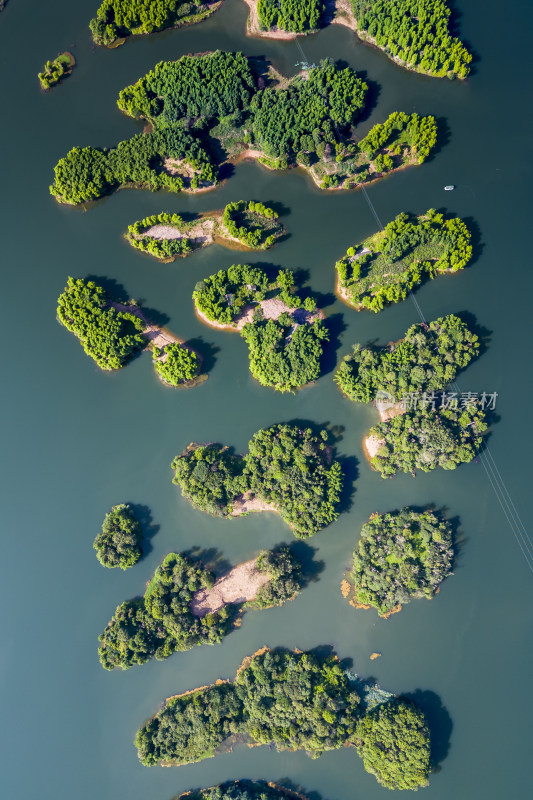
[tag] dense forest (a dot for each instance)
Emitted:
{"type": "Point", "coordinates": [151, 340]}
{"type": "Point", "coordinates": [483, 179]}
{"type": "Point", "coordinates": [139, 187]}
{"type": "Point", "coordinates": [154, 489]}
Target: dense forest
{"type": "Point", "coordinates": [162, 622]}
{"type": "Point", "coordinates": [292, 700]}
{"type": "Point", "coordinates": [386, 266]}
{"type": "Point", "coordinates": [119, 544]}
{"type": "Point", "coordinates": [213, 102]}
{"type": "Point", "coordinates": [285, 466]}
{"type": "Point", "coordinates": [394, 742]}
{"type": "Point", "coordinates": [425, 439]}
{"type": "Point", "coordinates": [401, 555]}
{"type": "Point", "coordinates": [251, 223]}
{"type": "Point", "coordinates": [54, 71]}
{"type": "Point", "coordinates": [285, 335]}
{"type": "Point", "coordinates": [295, 16]}
{"type": "Point", "coordinates": [415, 33]}
{"type": "Point", "coordinates": [116, 19]}
{"type": "Point", "coordinates": [176, 364]}
{"type": "Point", "coordinates": [427, 359]}
{"type": "Point", "coordinates": [109, 336]}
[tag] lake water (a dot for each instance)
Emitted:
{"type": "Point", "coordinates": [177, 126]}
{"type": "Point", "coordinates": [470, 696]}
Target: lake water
{"type": "Point", "coordinates": [76, 440]}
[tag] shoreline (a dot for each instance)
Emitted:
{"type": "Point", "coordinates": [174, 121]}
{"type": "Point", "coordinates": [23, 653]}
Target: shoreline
{"type": "Point", "coordinates": [253, 28]}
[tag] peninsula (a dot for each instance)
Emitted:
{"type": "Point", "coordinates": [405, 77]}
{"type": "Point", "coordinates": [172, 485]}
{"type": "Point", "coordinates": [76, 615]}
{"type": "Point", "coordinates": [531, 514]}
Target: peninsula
{"type": "Point", "coordinates": [113, 332]}
{"type": "Point", "coordinates": [401, 555]}
{"type": "Point", "coordinates": [285, 333]}
{"type": "Point", "coordinates": [388, 265]}
{"type": "Point", "coordinates": [297, 701]}
{"type": "Point", "coordinates": [287, 469]}
{"type": "Point", "coordinates": [184, 606]}
{"type": "Point", "coordinates": [220, 103]}
{"type": "Point", "coordinates": [244, 225]}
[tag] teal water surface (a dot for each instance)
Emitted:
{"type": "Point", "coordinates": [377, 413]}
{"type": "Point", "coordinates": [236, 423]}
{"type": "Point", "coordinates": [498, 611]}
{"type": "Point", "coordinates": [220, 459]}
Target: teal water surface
{"type": "Point", "coordinates": [76, 440]}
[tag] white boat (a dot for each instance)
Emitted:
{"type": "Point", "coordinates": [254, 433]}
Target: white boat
{"type": "Point", "coordinates": [449, 188]}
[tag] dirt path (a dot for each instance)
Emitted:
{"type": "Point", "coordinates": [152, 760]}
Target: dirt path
{"type": "Point", "coordinates": [239, 585]}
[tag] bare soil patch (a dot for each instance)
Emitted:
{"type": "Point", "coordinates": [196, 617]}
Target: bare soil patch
{"type": "Point", "coordinates": [239, 585]}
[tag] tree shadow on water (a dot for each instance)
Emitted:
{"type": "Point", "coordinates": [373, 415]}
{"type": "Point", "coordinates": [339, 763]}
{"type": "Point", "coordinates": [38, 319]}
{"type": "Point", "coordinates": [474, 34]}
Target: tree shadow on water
{"type": "Point", "coordinates": [206, 350]}
{"type": "Point", "coordinates": [305, 554]}
{"type": "Point", "coordinates": [439, 721]}
{"type": "Point", "coordinates": [336, 326]}
{"type": "Point", "coordinates": [211, 558]}
{"type": "Point", "coordinates": [149, 529]}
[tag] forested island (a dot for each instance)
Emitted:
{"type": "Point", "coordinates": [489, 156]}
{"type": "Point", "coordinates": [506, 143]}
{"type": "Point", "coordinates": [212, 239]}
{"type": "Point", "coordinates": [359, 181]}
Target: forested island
{"type": "Point", "coordinates": [401, 555]}
{"type": "Point", "coordinates": [54, 71]}
{"type": "Point", "coordinates": [246, 224]}
{"type": "Point", "coordinates": [117, 19]}
{"type": "Point", "coordinates": [244, 790]}
{"type": "Point", "coordinates": [386, 266]}
{"type": "Point", "coordinates": [284, 332]}
{"type": "Point", "coordinates": [428, 358]}
{"type": "Point", "coordinates": [119, 544]}
{"type": "Point", "coordinates": [184, 606]}
{"type": "Point", "coordinates": [286, 469]}
{"type": "Point", "coordinates": [296, 701]}
{"type": "Point", "coordinates": [425, 438]}
{"type": "Point", "coordinates": [208, 108]}
{"type": "Point", "coordinates": [113, 332]}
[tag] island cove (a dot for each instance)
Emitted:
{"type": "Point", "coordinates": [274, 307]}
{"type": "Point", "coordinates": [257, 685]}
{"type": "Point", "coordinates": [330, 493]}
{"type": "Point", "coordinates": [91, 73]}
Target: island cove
{"type": "Point", "coordinates": [286, 469]}
{"type": "Point", "coordinates": [296, 701]}
{"type": "Point", "coordinates": [113, 332]}
{"type": "Point", "coordinates": [415, 34]}
{"type": "Point", "coordinates": [220, 107]}
{"type": "Point", "coordinates": [185, 606]}
{"type": "Point", "coordinates": [241, 225]}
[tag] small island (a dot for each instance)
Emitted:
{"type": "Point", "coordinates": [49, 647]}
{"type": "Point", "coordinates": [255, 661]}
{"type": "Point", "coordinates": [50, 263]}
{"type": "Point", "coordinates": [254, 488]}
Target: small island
{"type": "Point", "coordinates": [54, 71]}
{"type": "Point", "coordinates": [388, 265]}
{"type": "Point", "coordinates": [287, 470]}
{"type": "Point", "coordinates": [113, 332]}
{"type": "Point", "coordinates": [400, 556]}
{"type": "Point", "coordinates": [208, 109]}
{"type": "Point", "coordinates": [184, 606]}
{"type": "Point", "coordinates": [120, 542]}
{"type": "Point", "coordinates": [243, 225]}
{"type": "Point", "coordinates": [427, 359]}
{"type": "Point", "coordinates": [285, 334]}
{"type": "Point", "coordinates": [425, 439]}
{"type": "Point", "coordinates": [296, 701]}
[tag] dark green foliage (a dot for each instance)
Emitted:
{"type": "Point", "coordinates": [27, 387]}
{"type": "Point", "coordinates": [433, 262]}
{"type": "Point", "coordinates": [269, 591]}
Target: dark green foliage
{"type": "Point", "coordinates": [175, 364]}
{"type": "Point", "coordinates": [54, 71]}
{"type": "Point", "coordinates": [385, 267]}
{"type": "Point", "coordinates": [401, 555]}
{"type": "Point", "coordinates": [109, 336]}
{"type": "Point", "coordinates": [161, 622]}
{"type": "Point", "coordinates": [87, 174]}
{"type": "Point", "coordinates": [117, 18]}
{"type": "Point", "coordinates": [293, 699]}
{"type": "Point", "coordinates": [295, 16]}
{"type": "Point", "coordinates": [222, 297]}
{"type": "Point", "coordinates": [242, 790]}
{"type": "Point", "coordinates": [208, 86]}
{"type": "Point", "coordinates": [416, 33]}
{"type": "Point", "coordinates": [285, 574]}
{"type": "Point", "coordinates": [285, 466]}
{"type": "Point", "coordinates": [284, 354]}
{"type": "Point", "coordinates": [425, 360]}
{"type": "Point", "coordinates": [425, 439]}
{"type": "Point", "coordinates": [309, 112]}
{"type": "Point", "coordinates": [253, 224]}
{"type": "Point", "coordinates": [394, 742]}
{"type": "Point", "coordinates": [120, 542]}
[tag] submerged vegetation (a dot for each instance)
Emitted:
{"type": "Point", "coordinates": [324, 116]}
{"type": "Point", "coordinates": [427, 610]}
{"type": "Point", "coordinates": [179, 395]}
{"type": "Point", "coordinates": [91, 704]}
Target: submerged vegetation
{"type": "Point", "coordinates": [120, 542]}
{"type": "Point", "coordinates": [296, 701]}
{"type": "Point", "coordinates": [415, 33]}
{"type": "Point", "coordinates": [285, 333]}
{"type": "Point", "coordinates": [116, 19]}
{"type": "Point", "coordinates": [163, 621]}
{"type": "Point", "coordinates": [54, 71]}
{"type": "Point", "coordinates": [400, 556]}
{"type": "Point", "coordinates": [166, 236]}
{"type": "Point", "coordinates": [386, 266]}
{"type": "Point", "coordinates": [200, 104]}
{"type": "Point", "coordinates": [286, 468]}
{"type": "Point", "coordinates": [427, 359]}
{"type": "Point", "coordinates": [426, 438]}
